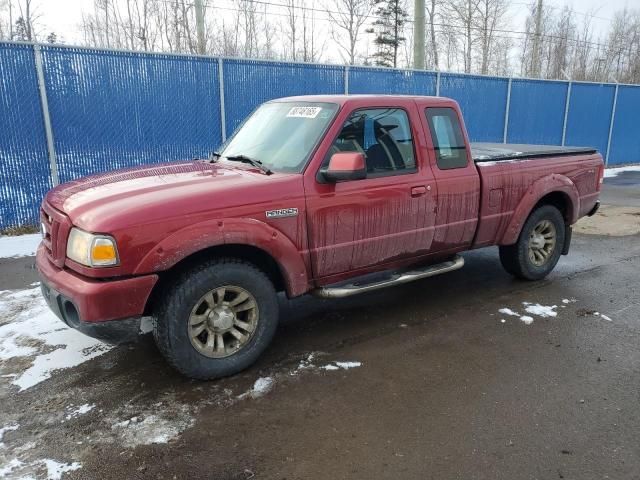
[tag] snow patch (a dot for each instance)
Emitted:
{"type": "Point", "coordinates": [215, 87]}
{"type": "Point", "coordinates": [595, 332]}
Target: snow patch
{"type": "Point", "coordinates": [81, 410]}
{"type": "Point", "coordinates": [261, 387]}
{"type": "Point", "coordinates": [28, 328]}
{"type": "Point", "coordinates": [146, 325]}
{"type": "Point", "coordinates": [19, 246]}
{"type": "Point", "coordinates": [526, 319]}
{"type": "Point", "coordinates": [532, 309]}
{"type": "Point", "coordinates": [569, 300]}
{"type": "Point", "coordinates": [151, 429]}
{"type": "Point", "coordinates": [341, 365]}
{"type": "Point", "coordinates": [602, 316]}
{"type": "Point", "coordinates": [614, 172]}
{"type": "Point", "coordinates": [9, 428]}
{"type": "Point", "coordinates": [10, 467]}
{"type": "Point", "coordinates": [541, 310]}
{"type": "Point", "coordinates": [55, 470]}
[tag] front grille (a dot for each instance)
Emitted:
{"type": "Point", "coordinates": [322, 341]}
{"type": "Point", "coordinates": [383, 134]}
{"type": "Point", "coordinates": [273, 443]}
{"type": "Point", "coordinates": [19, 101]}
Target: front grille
{"type": "Point", "coordinates": [57, 226]}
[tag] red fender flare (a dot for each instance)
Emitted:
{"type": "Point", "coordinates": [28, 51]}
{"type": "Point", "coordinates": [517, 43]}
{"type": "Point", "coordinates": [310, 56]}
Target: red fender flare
{"type": "Point", "coordinates": [541, 187]}
{"type": "Point", "coordinates": [247, 231]}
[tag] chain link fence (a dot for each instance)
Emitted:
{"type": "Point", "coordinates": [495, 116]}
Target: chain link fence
{"type": "Point", "coordinates": [66, 112]}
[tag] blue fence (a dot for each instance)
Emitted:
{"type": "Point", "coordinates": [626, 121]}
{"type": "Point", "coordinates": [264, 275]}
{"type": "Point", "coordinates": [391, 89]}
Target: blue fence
{"type": "Point", "coordinates": [112, 109]}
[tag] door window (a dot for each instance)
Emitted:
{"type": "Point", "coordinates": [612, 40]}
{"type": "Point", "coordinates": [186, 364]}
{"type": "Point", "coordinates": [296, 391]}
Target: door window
{"type": "Point", "coordinates": [383, 135]}
{"type": "Point", "coordinates": [448, 141]}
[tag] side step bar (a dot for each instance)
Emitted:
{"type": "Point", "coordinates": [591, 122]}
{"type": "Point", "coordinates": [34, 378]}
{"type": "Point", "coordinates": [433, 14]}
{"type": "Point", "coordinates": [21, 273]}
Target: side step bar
{"type": "Point", "coordinates": [398, 278]}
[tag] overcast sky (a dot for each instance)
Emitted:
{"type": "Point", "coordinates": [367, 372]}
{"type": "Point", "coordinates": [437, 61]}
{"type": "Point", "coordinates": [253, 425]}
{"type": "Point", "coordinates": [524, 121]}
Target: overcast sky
{"type": "Point", "coordinates": [64, 16]}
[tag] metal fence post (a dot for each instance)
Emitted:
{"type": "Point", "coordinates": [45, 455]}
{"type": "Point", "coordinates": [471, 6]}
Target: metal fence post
{"type": "Point", "coordinates": [566, 112]}
{"type": "Point", "coordinates": [505, 131]}
{"type": "Point", "coordinates": [613, 115]}
{"type": "Point", "coordinates": [438, 83]}
{"type": "Point", "coordinates": [346, 79]}
{"type": "Point", "coordinates": [223, 114]}
{"type": "Point", "coordinates": [44, 102]}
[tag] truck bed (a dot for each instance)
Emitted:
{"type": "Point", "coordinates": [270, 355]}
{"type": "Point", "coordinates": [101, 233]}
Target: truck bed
{"type": "Point", "coordinates": [495, 152]}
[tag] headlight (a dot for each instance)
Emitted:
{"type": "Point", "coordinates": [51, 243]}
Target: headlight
{"type": "Point", "coordinates": [91, 250]}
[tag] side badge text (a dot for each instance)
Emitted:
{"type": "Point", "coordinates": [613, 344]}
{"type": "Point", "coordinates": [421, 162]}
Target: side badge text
{"type": "Point", "coordinates": [282, 213]}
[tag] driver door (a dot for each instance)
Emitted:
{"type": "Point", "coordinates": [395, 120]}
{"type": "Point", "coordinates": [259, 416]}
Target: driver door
{"type": "Point", "coordinates": [356, 225]}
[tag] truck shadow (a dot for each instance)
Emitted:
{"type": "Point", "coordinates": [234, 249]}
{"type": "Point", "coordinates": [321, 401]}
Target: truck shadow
{"type": "Point", "coordinates": [307, 324]}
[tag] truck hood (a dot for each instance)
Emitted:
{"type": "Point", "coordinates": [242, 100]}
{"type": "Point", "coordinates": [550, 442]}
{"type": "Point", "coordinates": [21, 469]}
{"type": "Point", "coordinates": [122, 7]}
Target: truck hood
{"type": "Point", "coordinates": [102, 202]}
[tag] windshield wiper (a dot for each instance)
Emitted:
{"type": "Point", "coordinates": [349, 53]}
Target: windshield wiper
{"type": "Point", "coordinates": [250, 161]}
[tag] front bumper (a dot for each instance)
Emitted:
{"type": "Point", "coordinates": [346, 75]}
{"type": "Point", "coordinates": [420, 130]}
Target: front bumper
{"type": "Point", "coordinates": [93, 305]}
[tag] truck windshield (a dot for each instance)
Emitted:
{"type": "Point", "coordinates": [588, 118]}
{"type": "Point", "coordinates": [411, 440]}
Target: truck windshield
{"type": "Point", "coordinates": [281, 135]}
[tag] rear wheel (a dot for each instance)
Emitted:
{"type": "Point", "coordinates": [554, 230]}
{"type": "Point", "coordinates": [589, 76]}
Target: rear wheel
{"type": "Point", "coordinates": [539, 246]}
{"type": "Point", "coordinates": [216, 319]}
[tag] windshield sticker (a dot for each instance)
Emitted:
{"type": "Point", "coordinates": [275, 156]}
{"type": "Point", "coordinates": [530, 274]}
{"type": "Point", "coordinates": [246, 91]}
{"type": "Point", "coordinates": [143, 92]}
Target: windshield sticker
{"type": "Point", "coordinates": [304, 112]}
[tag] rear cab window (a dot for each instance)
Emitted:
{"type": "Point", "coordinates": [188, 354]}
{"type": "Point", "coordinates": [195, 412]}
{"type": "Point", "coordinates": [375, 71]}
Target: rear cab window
{"type": "Point", "coordinates": [447, 137]}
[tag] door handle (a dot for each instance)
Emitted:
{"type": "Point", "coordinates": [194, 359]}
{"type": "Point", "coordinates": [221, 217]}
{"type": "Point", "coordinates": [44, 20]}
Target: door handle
{"type": "Point", "coordinates": [418, 191]}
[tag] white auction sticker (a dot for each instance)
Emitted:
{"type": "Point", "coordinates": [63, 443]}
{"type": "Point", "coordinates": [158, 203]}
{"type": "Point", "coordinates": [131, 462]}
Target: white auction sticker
{"type": "Point", "coordinates": [304, 112]}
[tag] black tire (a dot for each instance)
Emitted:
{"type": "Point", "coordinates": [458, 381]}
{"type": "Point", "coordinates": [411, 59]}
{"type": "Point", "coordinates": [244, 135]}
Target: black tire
{"type": "Point", "coordinates": [515, 258]}
{"type": "Point", "coordinates": [171, 319]}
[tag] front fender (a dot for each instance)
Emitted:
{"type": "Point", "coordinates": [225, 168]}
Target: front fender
{"type": "Point", "coordinates": [246, 231]}
{"type": "Point", "coordinates": [541, 187]}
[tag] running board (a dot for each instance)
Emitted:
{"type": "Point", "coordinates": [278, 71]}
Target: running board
{"type": "Point", "coordinates": [397, 278]}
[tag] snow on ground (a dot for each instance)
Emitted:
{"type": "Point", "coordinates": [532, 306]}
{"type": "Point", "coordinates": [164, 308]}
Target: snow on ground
{"type": "Point", "coordinates": [152, 428]}
{"type": "Point", "coordinates": [613, 172]}
{"type": "Point", "coordinates": [8, 428]}
{"type": "Point", "coordinates": [540, 310]}
{"type": "Point", "coordinates": [19, 246]}
{"type": "Point", "coordinates": [81, 410]}
{"type": "Point", "coordinates": [602, 316]}
{"type": "Point", "coordinates": [262, 386]}
{"type": "Point", "coordinates": [54, 469]}
{"type": "Point", "coordinates": [10, 467]}
{"type": "Point", "coordinates": [526, 319]}
{"type": "Point", "coordinates": [533, 309]}
{"type": "Point", "coordinates": [341, 365]}
{"type": "Point", "coordinates": [29, 329]}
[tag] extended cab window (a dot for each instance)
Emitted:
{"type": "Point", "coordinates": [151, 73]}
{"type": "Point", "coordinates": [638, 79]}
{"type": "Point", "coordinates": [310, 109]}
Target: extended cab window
{"type": "Point", "coordinates": [451, 150]}
{"type": "Point", "coordinates": [383, 135]}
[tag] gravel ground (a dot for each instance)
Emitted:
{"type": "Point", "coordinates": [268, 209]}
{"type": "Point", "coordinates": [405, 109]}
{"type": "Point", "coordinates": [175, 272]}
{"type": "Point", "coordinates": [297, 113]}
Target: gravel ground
{"type": "Point", "coordinates": [471, 375]}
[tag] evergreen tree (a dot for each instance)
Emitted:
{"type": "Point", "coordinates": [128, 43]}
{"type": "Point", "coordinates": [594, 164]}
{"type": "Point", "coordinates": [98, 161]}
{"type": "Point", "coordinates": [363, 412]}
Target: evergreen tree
{"type": "Point", "coordinates": [20, 30]}
{"type": "Point", "coordinates": [388, 28]}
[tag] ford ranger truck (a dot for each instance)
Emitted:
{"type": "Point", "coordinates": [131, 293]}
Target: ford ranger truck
{"type": "Point", "coordinates": [329, 195]}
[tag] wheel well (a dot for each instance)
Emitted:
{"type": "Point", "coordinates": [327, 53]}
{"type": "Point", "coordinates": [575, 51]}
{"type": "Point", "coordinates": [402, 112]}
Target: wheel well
{"type": "Point", "coordinates": [254, 255]}
{"type": "Point", "coordinates": [559, 200]}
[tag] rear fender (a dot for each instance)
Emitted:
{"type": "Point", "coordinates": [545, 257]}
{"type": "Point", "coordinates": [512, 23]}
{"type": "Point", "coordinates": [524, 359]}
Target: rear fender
{"type": "Point", "coordinates": [246, 231]}
{"type": "Point", "coordinates": [541, 187]}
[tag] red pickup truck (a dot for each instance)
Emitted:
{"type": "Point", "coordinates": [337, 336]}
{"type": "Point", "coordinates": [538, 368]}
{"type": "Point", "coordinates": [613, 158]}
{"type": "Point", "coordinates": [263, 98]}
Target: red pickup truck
{"type": "Point", "coordinates": [330, 195]}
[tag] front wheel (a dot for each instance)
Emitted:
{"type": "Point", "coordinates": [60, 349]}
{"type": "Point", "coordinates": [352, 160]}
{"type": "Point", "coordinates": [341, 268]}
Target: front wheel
{"type": "Point", "coordinates": [539, 246]}
{"type": "Point", "coordinates": [216, 319]}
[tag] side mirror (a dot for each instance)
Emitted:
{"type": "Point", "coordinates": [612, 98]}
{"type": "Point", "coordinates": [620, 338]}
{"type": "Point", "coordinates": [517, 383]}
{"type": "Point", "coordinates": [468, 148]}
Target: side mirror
{"type": "Point", "coordinates": [345, 166]}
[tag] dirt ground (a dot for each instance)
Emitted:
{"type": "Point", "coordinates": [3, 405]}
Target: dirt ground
{"type": "Point", "coordinates": [470, 375]}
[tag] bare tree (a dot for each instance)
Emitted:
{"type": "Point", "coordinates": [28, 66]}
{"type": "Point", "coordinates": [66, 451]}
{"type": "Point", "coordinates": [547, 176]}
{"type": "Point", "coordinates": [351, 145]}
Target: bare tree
{"type": "Point", "coordinates": [432, 49]}
{"type": "Point", "coordinates": [347, 17]}
{"type": "Point", "coordinates": [463, 13]}
{"type": "Point", "coordinates": [6, 19]}
{"type": "Point", "coordinates": [291, 27]}
{"type": "Point", "coordinates": [490, 16]}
